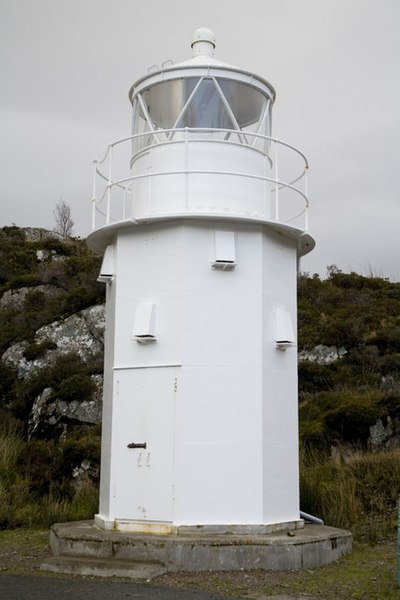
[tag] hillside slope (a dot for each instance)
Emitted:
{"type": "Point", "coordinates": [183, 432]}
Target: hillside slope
{"type": "Point", "coordinates": [343, 396]}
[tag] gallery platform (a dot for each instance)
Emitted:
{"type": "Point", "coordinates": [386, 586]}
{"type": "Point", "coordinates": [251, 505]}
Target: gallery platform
{"type": "Point", "coordinates": [81, 548]}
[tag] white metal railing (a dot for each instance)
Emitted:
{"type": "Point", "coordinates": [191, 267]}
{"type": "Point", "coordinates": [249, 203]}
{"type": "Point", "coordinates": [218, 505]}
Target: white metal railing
{"type": "Point", "coordinates": [271, 148]}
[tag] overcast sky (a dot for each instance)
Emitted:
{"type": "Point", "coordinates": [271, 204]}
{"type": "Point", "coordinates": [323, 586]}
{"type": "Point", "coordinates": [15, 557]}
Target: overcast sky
{"type": "Point", "coordinates": [66, 68]}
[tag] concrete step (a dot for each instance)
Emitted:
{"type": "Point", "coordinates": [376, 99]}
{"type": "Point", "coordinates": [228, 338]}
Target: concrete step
{"type": "Point", "coordinates": [103, 567]}
{"type": "Point", "coordinates": [305, 548]}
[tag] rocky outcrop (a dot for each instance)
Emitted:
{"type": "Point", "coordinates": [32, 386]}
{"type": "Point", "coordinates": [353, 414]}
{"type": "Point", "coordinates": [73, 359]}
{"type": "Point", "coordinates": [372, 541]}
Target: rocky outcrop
{"type": "Point", "coordinates": [323, 355]}
{"type": "Point", "coordinates": [81, 334]}
{"type": "Point", "coordinates": [16, 298]}
{"type": "Point", "coordinates": [50, 413]}
{"type": "Point", "coordinates": [38, 234]}
{"type": "Point", "coordinates": [385, 434]}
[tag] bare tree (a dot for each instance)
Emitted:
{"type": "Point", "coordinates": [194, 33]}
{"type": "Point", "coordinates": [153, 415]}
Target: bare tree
{"type": "Point", "coordinates": [62, 216]}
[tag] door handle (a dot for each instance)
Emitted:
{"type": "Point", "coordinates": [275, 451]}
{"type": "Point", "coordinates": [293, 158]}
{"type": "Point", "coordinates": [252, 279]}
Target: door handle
{"type": "Point", "coordinates": [134, 445]}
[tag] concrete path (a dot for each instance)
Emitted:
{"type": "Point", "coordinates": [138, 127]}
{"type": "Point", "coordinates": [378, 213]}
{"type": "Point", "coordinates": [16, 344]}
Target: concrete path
{"type": "Point", "coordinates": [18, 587]}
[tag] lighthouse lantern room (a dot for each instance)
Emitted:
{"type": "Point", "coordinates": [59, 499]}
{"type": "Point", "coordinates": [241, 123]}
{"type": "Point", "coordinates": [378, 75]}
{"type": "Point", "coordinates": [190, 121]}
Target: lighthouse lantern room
{"type": "Point", "coordinates": [200, 238]}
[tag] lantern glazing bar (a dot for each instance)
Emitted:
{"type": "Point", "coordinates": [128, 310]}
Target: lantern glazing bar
{"type": "Point", "coordinates": [147, 117]}
{"type": "Point", "coordinates": [185, 106]}
{"type": "Point", "coordinates": [262, 121]}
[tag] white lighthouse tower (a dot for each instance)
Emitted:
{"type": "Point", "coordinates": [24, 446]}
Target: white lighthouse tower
{"type": "Point", "coordinates": [201, 240]}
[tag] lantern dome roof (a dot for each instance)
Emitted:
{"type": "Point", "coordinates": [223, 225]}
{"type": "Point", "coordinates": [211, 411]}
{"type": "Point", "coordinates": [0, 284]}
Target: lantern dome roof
{"type": "Point", "coordinates": [202, 62]}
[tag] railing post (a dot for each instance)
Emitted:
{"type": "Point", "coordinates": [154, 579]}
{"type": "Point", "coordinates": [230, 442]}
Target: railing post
{"type": "Point", "coordinates": [186, 169]}
{"type": "Point", "coordinates": [276, 181]}
{"type": "Point", "coordinates": [306, 194]}
{"type": "Point", "coordinates": [94, 195]}
{"type": "Point", "coordinates": [108, 211]}
{"type": "Point", "coordinates": [124, 205]}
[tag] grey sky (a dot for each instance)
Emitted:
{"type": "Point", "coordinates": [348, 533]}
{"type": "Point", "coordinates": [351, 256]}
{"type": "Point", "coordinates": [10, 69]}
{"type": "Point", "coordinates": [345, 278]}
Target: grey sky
{"type": "Point", "coordinates": [66, 68]}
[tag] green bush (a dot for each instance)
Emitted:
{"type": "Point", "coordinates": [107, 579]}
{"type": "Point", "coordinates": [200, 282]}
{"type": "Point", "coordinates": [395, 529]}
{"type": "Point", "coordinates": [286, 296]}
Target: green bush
{"type": "Point", "coordinates": [389, 406]}
{"type": "Point", "coordinates": [339, 415]}
{"type": "Point", "coordinates": [8, 376]}
{"type": "Point", "coordinates": [351, 422]}
{"type": "Point", "coordinates": [34, 350]}
{"type": "Point", "coordinates": [85, 445]}
{"type": "Point", "coordinates": [64, 367]}
{"type": "Point", "coordinates": [26, 280]}
{"type": "Point", "coordinates": [39, 461]}
{"type": "Point", "coordinates": [53, 246]}
{"type": "Point", "coordinates": [312, 434]}
{"type": "Point", "coordinates": [314, 377]}
{"type": "Point", "coordinates": [37, 487]}
{"type": "Point", "coordinates": [76, 387]}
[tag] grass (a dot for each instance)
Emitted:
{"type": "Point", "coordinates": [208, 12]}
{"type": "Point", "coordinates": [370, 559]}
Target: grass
{"type": "Point", "coordinates": [22, 550]}
{"type": "Point", "coordinates": [357, 492]}
{"type": "Point", "coordinates": [35, 491]}
{"type": "Point", "coordinates": [368, 574]}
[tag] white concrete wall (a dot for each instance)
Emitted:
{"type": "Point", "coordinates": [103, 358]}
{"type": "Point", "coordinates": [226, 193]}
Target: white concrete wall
{"type": "Point", "coordinates": [106, 475]}
{"type": "Point", "coordinates": [213, 398]}
{"type": "Point", "coordinates": [280, 404]}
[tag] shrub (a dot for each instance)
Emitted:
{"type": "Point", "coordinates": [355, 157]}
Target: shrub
{"type": "Point", "coordinates": [34, 351]}
{"type": "Point", "coordinates": [7, 379]}
{"type": "Point", "coordinates": [64, 367]}
{"type": "Point", "coordinates": [39, 461]}
{"type": "Point", "coordinates": [53, 245]}
{"type": "Point", "coordinates": [389, 406]}
{"type": "Point", "coordinates": [76, 387]}
{"type": "Point", "coordinates": [27, 280]}
{"type": "Point", "coordinates": [35, 300]}
{"type": "Point", "coordinates": [84, 446]}
{"type": "Point", "coordinates": [314, 377]}
{"type": "Point", "coordinates": [312, 434]}
{"type": "Point", "coordinates": [351, 422]}
{"type": "Point", "coordinates": [36, 483]}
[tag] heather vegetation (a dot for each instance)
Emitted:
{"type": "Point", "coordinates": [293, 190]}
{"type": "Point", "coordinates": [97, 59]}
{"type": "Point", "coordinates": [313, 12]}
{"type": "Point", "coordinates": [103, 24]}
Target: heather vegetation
{"type": "Point", "coordinates": [44, 478]}
{"type": "Point", "coordinates": [55, 275]}
{"type": "Point", "coordinates": [349, 478]}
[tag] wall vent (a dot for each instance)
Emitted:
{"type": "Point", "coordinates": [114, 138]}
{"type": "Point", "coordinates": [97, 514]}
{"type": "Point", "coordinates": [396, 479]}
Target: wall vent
{"type": "Point", "coordinates": [224, 251]}
{"type": "Point", "coordinates": [284, 333]}
{"type": "Point", "coordinates": [107, 266]}
{"type": "Point", "coordinates": [144, 325]}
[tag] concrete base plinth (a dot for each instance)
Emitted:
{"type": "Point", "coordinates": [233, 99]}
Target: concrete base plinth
{"type": "Point", "coordinates": [82, 548]}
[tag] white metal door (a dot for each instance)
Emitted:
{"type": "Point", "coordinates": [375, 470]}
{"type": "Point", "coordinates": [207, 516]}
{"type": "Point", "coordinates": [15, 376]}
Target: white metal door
{"type": "Point", "coordinates": [144, 420]}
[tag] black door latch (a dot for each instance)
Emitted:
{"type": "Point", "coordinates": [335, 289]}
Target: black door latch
{"type": "Point", "coordinates": [133, 445]}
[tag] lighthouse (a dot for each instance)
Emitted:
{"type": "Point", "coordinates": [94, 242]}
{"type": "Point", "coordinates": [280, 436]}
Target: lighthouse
{"type": "Point", "coordinates": [201, 219]}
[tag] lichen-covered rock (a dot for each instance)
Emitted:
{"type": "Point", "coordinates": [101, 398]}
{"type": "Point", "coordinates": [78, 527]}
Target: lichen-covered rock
{"type": "Point", "coordinates": [385, 434]}
{"type": "Point", "coordinates": [391, 383]}
{"type": "Point", "coordinates": [323, 355]}
{"type": "Point", "coordinates": [16, 298]}
{"type": "Point", "coordinates": [81, 334]}
{"type": "Point", "coordinates": [51, 414]}
{"type": "Point", "coordinates": [37, 234]}
{"type": "Point", "coordinates": [95, 318]}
